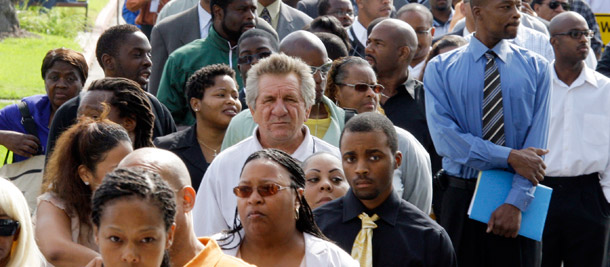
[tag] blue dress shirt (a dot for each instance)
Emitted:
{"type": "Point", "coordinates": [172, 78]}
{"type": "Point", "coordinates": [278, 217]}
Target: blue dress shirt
{"type": "Point", "coordinates": [454, 94]}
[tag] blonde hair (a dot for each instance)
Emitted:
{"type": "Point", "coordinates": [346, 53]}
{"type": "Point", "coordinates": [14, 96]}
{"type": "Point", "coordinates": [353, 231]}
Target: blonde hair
{"type": "Point", "coordinates": [281, 64]}
{"type": "Point", "coordinates": [24, 252]}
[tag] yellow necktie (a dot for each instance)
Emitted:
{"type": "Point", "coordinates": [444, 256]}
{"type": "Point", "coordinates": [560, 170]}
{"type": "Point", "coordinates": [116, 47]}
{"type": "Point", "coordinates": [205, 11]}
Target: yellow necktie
{"type": "Point", "coordinates": [362, 250]}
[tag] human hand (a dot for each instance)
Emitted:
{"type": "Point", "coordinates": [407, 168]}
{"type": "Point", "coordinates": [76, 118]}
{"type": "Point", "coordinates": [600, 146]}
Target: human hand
{"type": "Point", "coordinates": [96, 262]}
{"type": "Point", "coordinates": [24, 145]}
{"type": "Point", "coordinates": [505, 221]}
{"type": "Point", "coordinates": [528, 163]}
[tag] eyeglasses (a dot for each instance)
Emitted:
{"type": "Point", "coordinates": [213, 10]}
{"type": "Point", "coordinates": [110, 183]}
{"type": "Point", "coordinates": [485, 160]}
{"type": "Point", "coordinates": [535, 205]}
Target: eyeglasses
{"type": "Point", "coordinates": [422, 32]}
{"type": "Point", "coordinates": [249, 58]}
{"type": "Point", "coordinates": [342, 13]}
{"type": "Point", "coordinates": [8, 227]}
{"type": "Point", "coordinates": [576, 34]}
{"type": "Point", "coordinates": [244, 191]}
{"type": "Point", "coordinates": [363, 87]}
{"type": "Point", "coordinates": [324, 69]}
{"type": "Point", "coordinates": [555, 4]}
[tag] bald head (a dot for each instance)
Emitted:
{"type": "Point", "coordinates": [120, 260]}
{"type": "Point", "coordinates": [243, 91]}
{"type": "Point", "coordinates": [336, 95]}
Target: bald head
{"type": "Point", "coordinates": [402, 33]}
{"type": "Point", "coordinates": [404, 12]}
{"type": "Point", "coordinates": [564, 21]}
{"type": "Point", "coordinates": [301, 43]}
{"type": "Point", "coordinates": [165, 163]}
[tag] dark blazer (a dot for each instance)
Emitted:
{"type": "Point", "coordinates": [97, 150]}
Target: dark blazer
{"type": "Point", "coordinates": [309, 7]}
{"type": "Point", "coordinates": [184, 144]}
{"type": "Point", "coordinates": [174, 32]}
{"type": "Point", "coordinates": [167, 36]}
{"type": "Point", "coordinates": [290, 20]}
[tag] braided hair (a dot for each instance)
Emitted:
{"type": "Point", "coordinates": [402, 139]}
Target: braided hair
{"type": "Point", "coordinates": [305, 223]}
{"type": "Point", "coordinates": [338, 72]}
{"type": "Point", "coordinates": [131, 101]}
{"type": "Point", "coordinates": [135, 183]}
{"type": "Point", "coordinates": [84, 143]}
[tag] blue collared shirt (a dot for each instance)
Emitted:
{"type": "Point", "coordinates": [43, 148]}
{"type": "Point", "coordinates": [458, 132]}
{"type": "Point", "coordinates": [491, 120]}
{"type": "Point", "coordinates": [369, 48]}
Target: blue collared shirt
{"type": "Point", "coordinates": [454, 94]}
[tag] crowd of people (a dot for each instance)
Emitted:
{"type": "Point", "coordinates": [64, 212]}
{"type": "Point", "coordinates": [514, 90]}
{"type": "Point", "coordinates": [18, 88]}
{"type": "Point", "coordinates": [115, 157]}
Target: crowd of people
{"type": "Point", "coordinates": [316, 133]}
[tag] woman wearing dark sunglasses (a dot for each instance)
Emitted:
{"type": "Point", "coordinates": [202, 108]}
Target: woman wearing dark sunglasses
{"type": "Point", "coordinates": [17, 244]}
{"type": "Point", "coordinates": [277, 223]}
{"type": "Point", "coordinates": [352, 84]}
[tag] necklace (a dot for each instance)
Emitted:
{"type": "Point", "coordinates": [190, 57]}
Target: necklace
{"type": "Point", "coordinates": [206, 146]}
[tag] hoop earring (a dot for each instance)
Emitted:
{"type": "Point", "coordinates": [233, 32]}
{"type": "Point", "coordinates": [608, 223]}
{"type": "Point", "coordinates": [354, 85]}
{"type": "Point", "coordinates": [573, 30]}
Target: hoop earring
{"type": "Point", "coordinates": [296, 214]}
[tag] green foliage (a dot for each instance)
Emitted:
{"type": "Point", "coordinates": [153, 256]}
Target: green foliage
{"type": "Point", "coordinates": [20, 62]}
{"type": "Point", "coordinates": [59, 21]}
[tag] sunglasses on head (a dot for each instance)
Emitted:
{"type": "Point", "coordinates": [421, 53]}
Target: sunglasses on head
{"type": "Point", "coordinates": [324, 68]}
{"type": "Point", "coordinates": [265, 190]}
{"type": "Point", "coordinates": [8, 227]}
{"type": "Point", "coordinates": [363, 87]}
{"type": "Point", "coordinates": [250, 58]}
{"type": "Point", "coordinates": [576, 34]}
{"type": "Point", "coordinates": [555, 4]}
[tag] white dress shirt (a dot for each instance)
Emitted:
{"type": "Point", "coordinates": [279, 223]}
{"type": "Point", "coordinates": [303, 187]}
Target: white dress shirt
{"type": "Point", "coordinates": [579, 131]}
{"type": "Point", "coordinates": [205, 21]}
{"type": "Point", "coordinates": [318, 253]}
{"type": "Point", "coordinates": [442, 29]}
{"type": "Point", "coordinates": [215, 204]}
{"type": "Point", "coordinates": [416, 71]}
{"type": "Point", "coordinates": [359, 31]}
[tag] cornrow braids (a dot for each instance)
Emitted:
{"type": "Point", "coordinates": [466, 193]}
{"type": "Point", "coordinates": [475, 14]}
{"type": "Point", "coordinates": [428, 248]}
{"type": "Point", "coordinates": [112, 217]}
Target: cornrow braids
{"type": "Point", "coordinates": [139, 183]}
{"type": "Point", "coordinates": [305, 223]}
{"type": "Point", "coordinates": [134, 182]}
{"type": "Point", "coordinates": [131, 101]}
{"type": "Point", "coordinates": [338, 72]}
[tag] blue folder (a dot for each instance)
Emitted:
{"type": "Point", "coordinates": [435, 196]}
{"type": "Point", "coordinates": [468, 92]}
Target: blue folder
{"type": "Point", "coordinates": [492, 189]}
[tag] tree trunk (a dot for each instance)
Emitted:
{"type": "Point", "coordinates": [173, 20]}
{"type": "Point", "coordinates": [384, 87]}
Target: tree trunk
{"type": "Point", "coordinates": [8, 18]}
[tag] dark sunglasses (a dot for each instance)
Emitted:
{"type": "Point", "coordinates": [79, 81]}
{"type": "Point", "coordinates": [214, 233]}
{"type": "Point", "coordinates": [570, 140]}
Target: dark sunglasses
{"type": "Point", "coordinates": [576, 34]}
{"type": "Point", "coordinates": [555, 4]}
{"type": "Point", "coordinates": [363, 87]}
{"type": "Point", "coordinates": [8, 227]}
{"type": "Point", "coordinates": [324, 68]}
{"type": "Point", "coordinates": [249, 58]}
{"type": "Point", "coordinates": [244, 191]}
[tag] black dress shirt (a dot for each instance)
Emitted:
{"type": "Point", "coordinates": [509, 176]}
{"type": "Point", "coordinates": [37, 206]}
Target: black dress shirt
{"type": "Point", "coordinates": [184, 144]}
{"type": "Point", "coordinates": [409, 113]}
{"type": "Point", "coordinates": [404, 236]}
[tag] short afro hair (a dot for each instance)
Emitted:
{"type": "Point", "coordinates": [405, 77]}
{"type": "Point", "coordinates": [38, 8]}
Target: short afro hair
{"type": "Point", "coordinates": [371, 122]}
{"type": "Point", "coordinates": [204, 78]}
{"type": "Point", "coordinates": [110, 40]}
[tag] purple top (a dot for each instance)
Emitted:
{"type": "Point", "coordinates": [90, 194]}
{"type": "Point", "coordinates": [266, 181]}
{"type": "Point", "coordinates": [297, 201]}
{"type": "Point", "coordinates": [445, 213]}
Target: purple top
{"type": "Point", "coordinates": [40, 108]}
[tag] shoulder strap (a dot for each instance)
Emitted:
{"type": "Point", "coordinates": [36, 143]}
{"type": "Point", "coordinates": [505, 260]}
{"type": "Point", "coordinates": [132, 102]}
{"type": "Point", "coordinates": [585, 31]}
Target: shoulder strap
{"type": "Point", "coordinates": [27, 120]}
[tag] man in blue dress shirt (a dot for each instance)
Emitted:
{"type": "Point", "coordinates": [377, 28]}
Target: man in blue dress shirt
{"type": "Point", "coordinates": [487, 106]}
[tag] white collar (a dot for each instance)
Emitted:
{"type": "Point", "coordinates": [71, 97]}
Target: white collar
{"type": "Point", "coordinates": [587, 75]}
{"type": "Point", "coordinates": [205, 21]}
{"type": "Point", "coordinates": [359, 31]}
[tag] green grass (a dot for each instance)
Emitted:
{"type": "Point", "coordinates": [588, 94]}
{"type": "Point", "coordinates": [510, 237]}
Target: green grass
{"type": "Point", "coordinates": [4, 104]}
{"type": "Point", "coordinates": [20, 61]}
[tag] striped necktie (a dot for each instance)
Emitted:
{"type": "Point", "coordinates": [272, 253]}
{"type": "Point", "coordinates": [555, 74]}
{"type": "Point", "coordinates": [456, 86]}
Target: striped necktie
{"type": "Point", "coordinates": [266, 15]}
{"type": "Point", "coordinates": [362, 250]}
{"type": "Point", "coordinates": [493, 113]}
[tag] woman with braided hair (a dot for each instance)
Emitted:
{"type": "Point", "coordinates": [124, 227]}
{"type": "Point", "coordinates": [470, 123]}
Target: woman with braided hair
{"type": "Point", "coordinates": [272, 210]}
{"type": "Point", "coordinates": [83, 155]}
{"type": "Point", "coordinates": [133, 216]}
{"type": "Point", "coordinates": [129, 107]}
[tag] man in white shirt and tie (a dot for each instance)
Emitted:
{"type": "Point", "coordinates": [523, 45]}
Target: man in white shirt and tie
{"type": "Point", "coordinates": [578, 162]}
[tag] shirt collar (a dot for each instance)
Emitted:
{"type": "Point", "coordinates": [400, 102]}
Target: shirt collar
{"type": "Point", "coordinates": [478, 49]}
{"type": "Point", "coordinates": [387, 211]}
{"type": "Point", "coordinates": [205, 20]}
{"type": "Point", "coordinates": [587, 75]}
{"type": "Point", "coordinates": [274, 9]}
{"type": "Point", "coordinates": [359, 31]}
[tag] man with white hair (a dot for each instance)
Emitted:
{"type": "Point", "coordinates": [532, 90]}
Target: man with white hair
{"type": "Point", "coordinates": [280, 93]}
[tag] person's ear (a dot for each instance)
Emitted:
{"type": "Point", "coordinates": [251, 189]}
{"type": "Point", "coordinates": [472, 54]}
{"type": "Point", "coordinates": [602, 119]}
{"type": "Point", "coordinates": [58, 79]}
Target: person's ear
{"type": "Point", "coordinates": [170, 236]}
{"type": "Point", "coordinates": [398, 159]}
{"type": "Point", "coordinates": [404, 53]}
{"type": "Point", "coordinates": [188, 198]}
{"type": "Point", "coordinates": [218, 12]}
{"type": "Point", "coordinates": [553, 41]}
{"type": "Point", "coordinates": [108, 62]}
{"type": "Point", "coordinates": [195, 104]}
{"type": "Point", "coordinates": [129, 124]}
{"type": "Point", "coordinates": [337, 95]}
{"type": "Point", "coordinates": [299, 197]}
{"type": "Point", "coordinates": [95, 233]}
{"type": "Point", "coordinates": [85, 174]}
{"type": "Point", "coordinates": [307, 112]}
{"type": "Point", "coordinates": [476, 12]}
{"type": "Point", "coordinates": [536, 7]}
